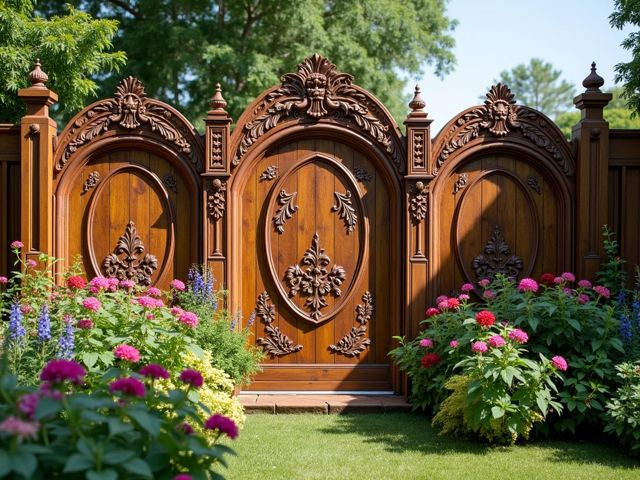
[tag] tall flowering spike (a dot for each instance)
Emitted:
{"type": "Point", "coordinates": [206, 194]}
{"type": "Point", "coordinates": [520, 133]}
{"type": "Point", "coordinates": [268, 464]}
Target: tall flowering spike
{"type": "Point", "coordinates": [16, 328]}
{"type": "Point", "coordinates": [44, 324]}
{"type": "Point", "coordinates": [66, 342]}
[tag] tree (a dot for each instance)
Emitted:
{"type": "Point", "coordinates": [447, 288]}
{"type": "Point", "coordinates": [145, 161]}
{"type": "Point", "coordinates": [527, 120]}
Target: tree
{"type": "Point", "coordinates": [72, 47]}
{"type": "Point", "coordinates": [538, 86]}
{"type": "Point", "coordinates": [180, 50]}
{"type": "Point", "coordinates": [628, 12]}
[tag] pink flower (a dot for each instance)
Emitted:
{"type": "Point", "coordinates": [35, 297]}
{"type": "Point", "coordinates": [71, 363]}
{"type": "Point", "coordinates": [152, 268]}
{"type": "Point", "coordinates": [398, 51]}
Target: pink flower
{"type": "Point", "coordinates": [453, 344]}
{"type": "Point", "coordinates": [150, 316]}
{"type": "Point", "coordinates": [568, 292]}
{"type": "Point", "coordinates": [31, 263]}
{"type": "Point", "coordinates": [128, 386]}
{"type": "Point", "coordinates": [479, 347]}
{"type": "Point", "coordinates": [76, 282]}
{"type": "Point", "coordinates": [426, 343]}
{"type": "Point", "coordinates": [496, 341]}
{"type": "Point", "coordinates": [178, 285]}
{"type": "Point", "coordinates": [441, 298]}
{"type": "Point", "coordinates": [26, 309]}
{"type": "Point", "coordinates": [154, 292]}
{"type": "Point", "coordinates": [558, 280]}
{"type": "Point", "coordinates": [518, 336]}
{"type": "Point", "coordinates": [186, 428]}
{"type": "Point", "coordinates": [453, 303]}
{"type": "Point", "coordinates": [489, 294]}
{"type": "Point", "coordinates": [191, 377]}
{"type": "Point", "coordinates": [484, 283]}
{"type": "Point", "coordinates": [126, 284]}
{"type": "Point", "coordinates": [583, 298]}
{"type": "Point", "coordinates": [443, 305]}
{"type": "Point", "coordinates": [99, 283]}
{"type": "Point", "coordinates": [127, 352]}
{"type": "Point", "coordinates": [463, 297]}
{"type": "Point", "coordinates": [467, 287]}
{"type": "Point", "coordinates": [568, 276]}
{"type": "Point", "coordinates": [3, 280]}
{"type": "Point", "coordinates": [559, 362]}
{"type": "Point", "coordinates": [602, 291]}
{"type": "Point", "coordinates": [91, 303]}
{"type": "Point", "coordinates": [153, 370]}
{"type": "Point", "coordinates": [222, 424]}
{"type": "Point", "coordinates": [150, 302]}
{"type": "Point", "coordinates": [584, 284]}
{"type": "Point", "coordinates": [28, 404]}
{"type": "Point", "coordinates": [84, 324]}
{"type": "Point", "coordinates": [113, 284]}
{"type": "Point", "coordinates": [528, 285]}
{"type": "Point", "coordinates": [177, 311]}
{"type": "Point", "coordinates": [183, 476]}
{"type": "Point", "coordinates": [188, 318]}
{"type": "Point", "coordinates": [57, 371]}
{"type": "Point", "coordinates": [485, 318]}
{"type": "Point", "coordinates": [17, 245]}
{"type": "Point", "coordinates": [19, 428]}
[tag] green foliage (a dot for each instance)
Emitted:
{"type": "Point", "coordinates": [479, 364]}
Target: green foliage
{"type": "Point", "coordinates": [72, 47]}
{"type": "Point", "coordinates": [538, 86]}
{"type": "Point", "coordinates": [612, 274]}
{"type": "Point", "coordinates": [246, 45]}
{"type": "Point", "coordinates": [627, 12]}
{"type": "Point", "coordinates": [450, 416]}
{"type": "Point", "coordinates": [623, 410]}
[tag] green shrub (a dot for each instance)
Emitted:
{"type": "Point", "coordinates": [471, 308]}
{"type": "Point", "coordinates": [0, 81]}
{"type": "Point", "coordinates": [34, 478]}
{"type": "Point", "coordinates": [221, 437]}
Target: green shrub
{"type": "Point", "coordinates": [623, 410]}
{"type": "Point", "coordinates": [450, 416]}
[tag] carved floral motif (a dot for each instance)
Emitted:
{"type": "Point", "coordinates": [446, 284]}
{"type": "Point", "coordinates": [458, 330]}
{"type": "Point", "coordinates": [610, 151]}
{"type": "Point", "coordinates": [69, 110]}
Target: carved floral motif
{"type": "Point", "coordinates": [418, 150]}
{"type": "Point", "coordinates": [318, 91]}
{"type": "Point", "coordinates": [276, 343]}
{"type": "Point", "coordinates": [461, 182]}
{"type": "Point", "coordinates": [286, 210]}
{"type": "Point", "coordinates": [269, 174]}
{"type": "Point", "coordinates": [92, 180]}
{"type": "Point", "coordinates": [315, 282]}
{"type": "Point", "coordinates": [216, 199]}
{"type": "Point", "coordinates": [497, 258]}
{"type": "Point", "coordinates": [128, 260]}
{"type": "Point", "coordinates": [216, 148]}
{"type": "Point", "coordinates": [355, 342]}
{"type": "Point", "coordinates": [361, 174]}
{"type": "Point", "coordinates": [345, 210]}
{"type": "Point", "coordinates": [170, 182]}
{"type": "Point", "coordinates": [418, 202]}
{"type": "Point", "coordinates": [532, 181]}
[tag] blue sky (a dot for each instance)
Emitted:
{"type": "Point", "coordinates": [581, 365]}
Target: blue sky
{"type": "Point", "coordinates": [496, 35]}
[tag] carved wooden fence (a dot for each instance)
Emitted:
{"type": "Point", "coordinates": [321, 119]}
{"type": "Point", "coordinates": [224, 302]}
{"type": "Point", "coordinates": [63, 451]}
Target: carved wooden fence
{"type": "Point", "coordinates": [324, 220]}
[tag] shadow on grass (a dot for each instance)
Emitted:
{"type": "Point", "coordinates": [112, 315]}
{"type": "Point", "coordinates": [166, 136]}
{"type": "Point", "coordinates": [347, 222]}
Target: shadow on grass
{"type": "Point", "coordinates": [398, 432]}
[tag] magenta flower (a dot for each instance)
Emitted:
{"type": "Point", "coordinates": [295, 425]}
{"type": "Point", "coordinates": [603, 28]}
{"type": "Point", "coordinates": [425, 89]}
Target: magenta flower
{"type": "Point", "coordinates": [467, 287]}
{"type": "Point", "coordinates": [569, 277]}
{"type": "Point", "coordinates": [91, 303]}
{"type": "Point", "coordinates": [84, 324]}
{"type": "Point", "coordinates": [444, 305]}
{"type": "Point", "coordinates": [484, 283]}
{"type": "Point", "coordinates": [176, 311]}
{"type": "Point", "coordinates": [183, 476]}
{"type": "Point", "coordinates": [559, 362]}
{"type": "Point", "coordinates": [3, 280]}
{"type": "Point", "coordinates": [57, 371]}
{"type": "Point", "coordinates": [150, 302]}
{"type": "Point", "coordinates": [19, 428]}
{"type": "Point", "coordinates": [518, 336]}
{"type": "Point", "coordinates": [99, 283]}
{"type": "Point", "coordinates": [127, 353]}
{"type": "Point", "coordinates": [558, 280]}
{"type": "Point", "coordinates": [463, 297]}
{"type": "Point", "coordinates": [188, 318]}
{"type": "Point", "coordinates": [28, 404]}
{"type": "Point", "coordinates": [178, 285]}
{"type": "Point", "coordinates": [154, 292]}
{"type": "Point", "coordinates": [496, 341]}
{"type": "Point", "coordinates": [153, 370]}
{"type": "Point", "coordinates": [191, 377]}
{"type": "Point", "coordinates": [584, 284]}
{"type": "Point", "coordinates": [222, 424]}
{"type": "Point", "coordinates": [128, 386]}
{"type": "Point", "coordinates": [17, 245]}
{"type": "Point", "coordinates": [453, 344]}
{"type": "Point", "coordinates": [583, 298]}
{"type": "Point", "coordinates": [441, 298]}
{"type": "Point", "coordinates": [31, 263]}
{"type": "Point", "coordinates": [426, 343]}
{"type": "Point", "coordinates": [528, 285]}
{"type": "Point", "coordinates": [602, 291]}
{"type": "Point", "coordinates": [489, 294]}
{"type": "Point", "coordinates": [126, 284]}
{"type": "Point", "coordinates": [113, 284]}
{"type": "Point", "coordinates": [479, 347]}
{"type": "Point", "coordinates": [186, 428]}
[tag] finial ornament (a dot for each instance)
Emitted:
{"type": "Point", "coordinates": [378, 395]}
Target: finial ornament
{"type": "Point", "coordinates": [217, 102]}
{"type": "Point", "coordinates": [417, 104]}
{"type": "Point", "coordinates": [37, 77]}
{"type": "Point", "coordinates": [593, 82]}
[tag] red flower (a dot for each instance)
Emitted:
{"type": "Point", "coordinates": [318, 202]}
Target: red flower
{"type": "Point", "coordinates": [548, 279]}
{"type": "Point", "coordinates": [485, 318]}
{"type": "Point", "coordinates": [76, 282]}
{"type": "Point", "coordinates": [430, 359]}
{"type": "Point", "coordinates": [453, 303]}
{"type": "Point", "coordinates": [431, 312]}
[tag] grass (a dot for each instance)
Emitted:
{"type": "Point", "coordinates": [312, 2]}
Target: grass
{"type": "Point", "coordinates": [404, 446]}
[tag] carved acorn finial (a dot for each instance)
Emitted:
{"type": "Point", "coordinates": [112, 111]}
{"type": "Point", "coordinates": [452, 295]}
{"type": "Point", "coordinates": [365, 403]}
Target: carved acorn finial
{"type": "Point", "coordinates": [417, 104]}
{"type": "Point", "coordinates": [37, 77]}
{"type": "Point", "coordinates": [218, 102]}
{"type": "Point", "coordinates": [593, 82]}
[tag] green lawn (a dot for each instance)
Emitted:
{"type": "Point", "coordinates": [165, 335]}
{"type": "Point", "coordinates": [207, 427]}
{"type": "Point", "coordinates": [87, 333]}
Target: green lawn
{"type": "Point", "coordinates": [404, 446]}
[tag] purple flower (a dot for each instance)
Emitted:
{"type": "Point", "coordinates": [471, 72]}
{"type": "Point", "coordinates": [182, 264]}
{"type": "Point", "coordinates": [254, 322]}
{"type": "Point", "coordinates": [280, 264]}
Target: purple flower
{"type": "Point", "coordinates": [583, 298]}
{"type": "Point", "coordinates": [57, 371]}
{"type": "Point", "coordinates": [66, 342]}
{"type": "Point", "coordinates": [28, 404]}
{"type": "Point", "coordinates": [128, 386]}
{"type": "Point", "coordinates": [153, 370]}
{"type": "Point", "coordinates": [584, 284]}
{"type": "Point", "coordinates": [126, 284]}
{"type": "Point", "coordinates": [569, 277]}
{"type": "Point", "coordinates": [17, 245]}
{"type": "Point", "coordinates": [479, 347]}
{"type": "Point", "coordinates": [191, 377]}
{"type": "Point", "coordinates": [559, 362]}
{"type": "Point", "coordinates": [222, 424]}
{"type": "Point", "coordinates": [16, 328]}
{"type": "Point", "coordinates": [44, 324]}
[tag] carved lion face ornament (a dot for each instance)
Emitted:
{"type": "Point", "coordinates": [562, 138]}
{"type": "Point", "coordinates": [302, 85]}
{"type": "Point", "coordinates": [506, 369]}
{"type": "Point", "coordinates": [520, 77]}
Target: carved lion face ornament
{"type": "Point", "coordinates": [316, 88]}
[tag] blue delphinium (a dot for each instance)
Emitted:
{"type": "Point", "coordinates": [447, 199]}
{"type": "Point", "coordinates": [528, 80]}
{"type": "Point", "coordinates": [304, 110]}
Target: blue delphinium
{"type": "Point", "coordinates": [66, 341]}
{"type": "Point", "coordinates": [44, 324]}
{"type": "Point", "coordinates": [626, 332]}
{"type": "Point", "coordinates": [16, 328]}
{"type": "Point", "coordinates": [252, 319]}
{"type": "Point", "coordinates": [197, 283]}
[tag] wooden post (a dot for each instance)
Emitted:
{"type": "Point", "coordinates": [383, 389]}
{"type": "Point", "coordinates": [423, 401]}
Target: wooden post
{"type": "Point", "coordinates": [37, 136]}
{"type": "Point", "coordinates": [591, 135]}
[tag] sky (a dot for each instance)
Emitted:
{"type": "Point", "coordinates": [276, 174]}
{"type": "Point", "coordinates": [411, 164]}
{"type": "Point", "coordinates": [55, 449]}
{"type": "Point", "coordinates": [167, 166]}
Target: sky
{"type": "Point", "coordinates": [496, 35]}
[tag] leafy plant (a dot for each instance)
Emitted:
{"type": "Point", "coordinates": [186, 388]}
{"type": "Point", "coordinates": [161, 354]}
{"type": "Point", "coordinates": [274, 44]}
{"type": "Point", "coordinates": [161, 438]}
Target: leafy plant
{"type": "Point", "coordinates": [612, 274]}
{"type": "Point", "coordinates": [623, 410]}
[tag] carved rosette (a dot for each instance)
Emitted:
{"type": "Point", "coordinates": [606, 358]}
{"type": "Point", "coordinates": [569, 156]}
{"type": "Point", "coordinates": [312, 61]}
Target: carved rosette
{"type": "Point", "coordinates": [276, 343]}
{"type": "Point", "coordinates": [286, 210]}
{"type": "Point", "coordinates": [361, 174]}
{"type": "Point", "coordinates": [418, 202]}
{"type": "Point", "coordinates": [461, 182]}
{"type": "Point", "coordinates": [129, 109]}
{"type": "Point", "coordinates": [92, 180]}
{"type": "Point", "coordinates": [315, 282]}
{"type": "Point", "coordinates": [501, 116]}
{"type": "Point", "coordinates": [497, 259]}
{"type": "Point", "coordinates": [128, 260]}
{"type": "Point", "coordinates": [318, 91]}
{"type": "Point", "coordinates": [355, 342]}
{"type": "Point", "coordinates": [170, 182]}
{"type": "Point", "coordinates": [345, 210]}
{"type": "Point", "coordinates": [216, 199]}
{"type": "Point", "coordinates": [269, 174]}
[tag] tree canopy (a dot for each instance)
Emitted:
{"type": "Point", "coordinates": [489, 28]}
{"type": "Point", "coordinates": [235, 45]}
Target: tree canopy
{"type": "Point", "coordinates": [628, 12]}
{"type": "Point", "coordinates": [538, 85]}
{"type": "Point", "coordinates": [180, 50]}
{"type": "Point", "coordinates": [72, 47]}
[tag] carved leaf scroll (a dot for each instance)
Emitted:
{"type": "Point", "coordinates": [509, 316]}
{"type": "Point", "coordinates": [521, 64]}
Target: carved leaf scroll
{"type": "Point", "coordinates": [286, 210]}
{"type": "Point", "coordinates": [128, 260]}
{"type": "Point", "coordinates": [270, 173]}
{"type": "Point", "coordinates": [345, 210]}
{"type": "Point", "coordinates": [362, 175]}
{"type": "Point", "coordinates": [314, 281]}
{"type": "Point", "coordinates": [355, 342]}
{"type": "Point", "coordinates": [92, 180]}
{"type": "Point", "coordinates": [497, 258]}
{"type": "Point", "coordinates": [276, 343]}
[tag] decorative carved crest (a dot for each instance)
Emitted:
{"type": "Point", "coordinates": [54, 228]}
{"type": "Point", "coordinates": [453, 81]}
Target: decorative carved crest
{"type": "Point", "coordinates": [532, 181]}
{"type": "Point", "coordinates": [129, 109]}
{"type": "Point", "coordinates": [276, 343]}
{"type": "Point", "coordinates": [269, 174]}
{"type": "Point", "coordinates": [216, 148]}
{"type": "Point", "coordinates": [461, 182]}
{"type": "Point", "coordinates": [500, 116]}
{"type": "Point", "coordinates": [418, 203]}
{"type": "Point", "coordinates": [128, 260]}
{"type": "Point", "coordinates": [497, 258]}
{"type": "Point", "coordinates": [345, 210]}
{"type": "Point", "coordinates": [170, 182]}
{"type": "Point", "coordinates": [418, 150]}
{"type": "Point", "coordinates": [316, 90]}
{"type": "Point", "coordinates": [315, 282]}
{"type": "Point", "coordinates": [361, 174]}
{"type": "Point", "coordinates": [216, 199]}
{"type": "Point", "coordinates": [92, 180]}
{"type": "Point", "coordinates": [286, 210]}
{"type": "Point", "coordinates": [355, 342]}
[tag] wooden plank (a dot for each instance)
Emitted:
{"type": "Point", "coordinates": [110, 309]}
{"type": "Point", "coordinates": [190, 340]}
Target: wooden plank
{"type": "Point", "coordinates": [383, 272]}
{"type": "Point", "coordinates": [159, 227]}
{"type": "Point", "coordinates": [139, 198]}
